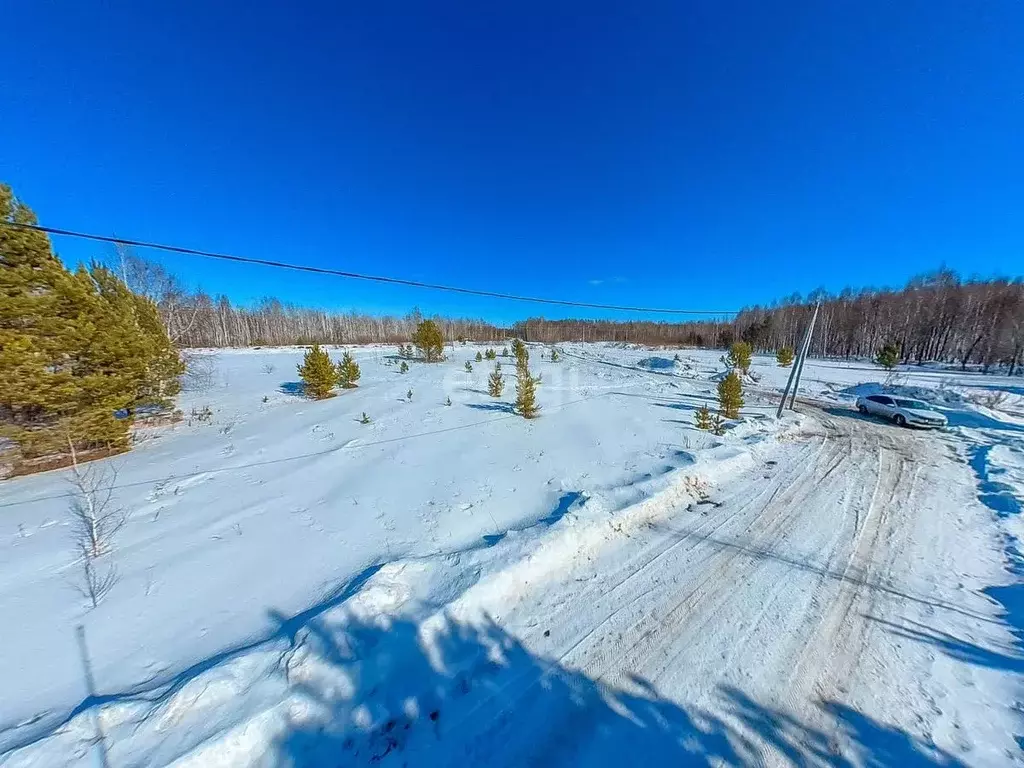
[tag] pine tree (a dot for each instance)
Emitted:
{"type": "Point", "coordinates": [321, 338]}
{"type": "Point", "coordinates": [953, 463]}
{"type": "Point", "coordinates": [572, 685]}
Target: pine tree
{"type": "Point", "coordinates": [490, 354]}
{"type": "Point", "coordinates": [318, 373]}
{"type": "Point", "coordinates": [526, 393]}
{"type": "Point", "coordinates": [521, 353]}
{"type": "Point", "coordinates": [784, 357]}
{"type": "Point", "coordinates": [429, 340]}
{"type": "Point", "coordinates": [401, 350]}
{"type": "Point", "coordinates": [448, 401]}
{"type": "Point", "coordinates": [365, 419]}
{"type": "Point", "coordinates": [469, 367]}
{"type": "Point", "coordinates": [554, 355]}
{"type": "Point", "coordinates": [348, 371]}
{"type": "Point", "coordinates": [702, 419]}
{"type": "Point", "coordinates": [730, 396]}
{"type": "Point", "coordinates": [888, 356]}
{"type": "Point", "coordinates": [739, 356]}
{"type": "Point", "coordinates": [717, 425]}
{"type": "Point", "coordinates": [79, 352]}
{"type": "Point", "coordinates": [408, 395]}
{"type": "Point", "coordinates": [479, 357]}
{"type": "Point", "coordinates": [504, 351]}
{"type": "Point", "coordinates": [404, 367]}
{"type": "Point", "coordinates": [496, 382]}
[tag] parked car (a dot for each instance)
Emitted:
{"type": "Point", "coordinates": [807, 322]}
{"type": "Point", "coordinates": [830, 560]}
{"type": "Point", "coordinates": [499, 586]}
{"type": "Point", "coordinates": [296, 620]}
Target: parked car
{"type": "Point", "coordinates": [902, 411]}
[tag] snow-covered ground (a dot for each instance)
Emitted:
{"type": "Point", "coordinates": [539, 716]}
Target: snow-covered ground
{"type": "Point", "coordinates": [451, 584]}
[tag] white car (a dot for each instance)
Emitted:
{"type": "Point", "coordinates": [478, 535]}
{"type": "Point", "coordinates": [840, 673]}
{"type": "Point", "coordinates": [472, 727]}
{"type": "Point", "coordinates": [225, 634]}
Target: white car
{"type": "Point", "coordinates": [902, 411]}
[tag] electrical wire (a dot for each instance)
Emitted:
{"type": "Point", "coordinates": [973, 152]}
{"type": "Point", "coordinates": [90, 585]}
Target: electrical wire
{"type": "Point", "coordinates": [361, 276]}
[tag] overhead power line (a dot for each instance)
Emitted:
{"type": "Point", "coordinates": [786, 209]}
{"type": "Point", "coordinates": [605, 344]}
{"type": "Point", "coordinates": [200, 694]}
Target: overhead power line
{"type": "Point", "coordinates": [360, 276]}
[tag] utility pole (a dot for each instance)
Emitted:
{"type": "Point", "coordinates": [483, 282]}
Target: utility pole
{"type": "Point", "coordinates": [798, 366]}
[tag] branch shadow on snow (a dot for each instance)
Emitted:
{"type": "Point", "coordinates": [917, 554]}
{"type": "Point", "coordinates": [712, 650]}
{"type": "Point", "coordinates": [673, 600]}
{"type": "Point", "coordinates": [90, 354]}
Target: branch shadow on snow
{"type": "Point", "coordinates": [461, 694]}
{"type": "Point", "coordinates": [389, 691]}
{"type": "Point", "coordinates": [1005, 659]}
{"type": "Point", "coordinates": [852, 575]}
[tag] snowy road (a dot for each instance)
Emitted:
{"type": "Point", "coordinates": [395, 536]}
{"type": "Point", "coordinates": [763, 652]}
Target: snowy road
{"type": "Point", "coordinates": [814, 611]}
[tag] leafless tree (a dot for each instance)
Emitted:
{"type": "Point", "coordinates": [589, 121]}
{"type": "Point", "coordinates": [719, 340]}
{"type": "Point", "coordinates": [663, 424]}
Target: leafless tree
{"type": "Point", "coordinates": [200, 372]}
{"type": "Point", "coordinates": [95, 521]}
{"type": "Point", "coordinates": [936, 316]}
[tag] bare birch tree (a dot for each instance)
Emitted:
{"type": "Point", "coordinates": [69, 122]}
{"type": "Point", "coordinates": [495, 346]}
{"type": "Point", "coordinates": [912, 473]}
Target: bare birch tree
{"type": "Point", "coordinates": [95, 521]}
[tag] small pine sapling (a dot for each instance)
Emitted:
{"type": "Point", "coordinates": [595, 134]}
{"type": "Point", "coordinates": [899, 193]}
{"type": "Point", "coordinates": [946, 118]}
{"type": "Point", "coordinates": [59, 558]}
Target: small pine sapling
{"type": "Point", "coordinates": [496, 382]}
{"type": "Point", "coordinates": [490, 354]}
{"type": "Point", "coordinates": [554, 355]}
{"type": "Point", "coordinates": [702, 419]}
{"type": "Point", "coordinates": [365, 419]}
{"type": "Point", "coordinates": [677, 358]}
{"type": "Point", "coordinates": [404, 368]}
{"type": "Point", "coordinates": [448, 401]}
{"type": "Point", "coordinates": [429, 340]}
{"type": "Point", "coordinates": [717, 425]}
{"type": "Point", "coordinates": [408, 395]}
{"type": "Point", "coordinates": [888, 356]}
{"type": "Point", "coordinates": [317, 373]}
{"type": "Point", "coordinates": [504, 351]}
{"type": "Point", "coordinates": [784, 357]}
{"type": "Point", "coordinates": [479, 357]}
{"type": "Point", "coordinates": [348, 371]}
{"type": "Point", "coordinates": [526, 393]}
{"type": "Point", "coordinates": [521, 354]}
{"type": "Point", "coordinates": [469, 367]}
{"type": "Point", "coordinates": [730, 396]}
{"type": "Point", "coordinates": [739, 356]}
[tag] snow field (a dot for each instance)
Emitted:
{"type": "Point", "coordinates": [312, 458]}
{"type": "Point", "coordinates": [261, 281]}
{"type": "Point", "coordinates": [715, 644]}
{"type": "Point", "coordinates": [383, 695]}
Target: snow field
{"type": "Point", "coordinates": [431, 541]}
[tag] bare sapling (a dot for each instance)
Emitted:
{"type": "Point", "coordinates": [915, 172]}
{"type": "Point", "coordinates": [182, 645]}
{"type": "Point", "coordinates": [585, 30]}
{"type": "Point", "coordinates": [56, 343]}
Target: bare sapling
{"type": "Point", "coordinates": [95, 521]}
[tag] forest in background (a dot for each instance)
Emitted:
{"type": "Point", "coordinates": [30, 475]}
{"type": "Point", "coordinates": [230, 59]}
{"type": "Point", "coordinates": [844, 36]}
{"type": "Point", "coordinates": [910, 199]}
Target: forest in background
{"type": "Point", "coordinates": [935, 317]}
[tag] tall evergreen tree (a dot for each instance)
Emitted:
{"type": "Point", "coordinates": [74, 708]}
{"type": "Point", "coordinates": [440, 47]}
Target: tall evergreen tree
{"type": "Point", "coordinates": [730, 396]}
{"type": "Point", "coordinates": [348, 371]}
{"type": "Point", "coordinates": [318, 373]}
{"type": "Point", "coordinates": [429, 340]}
{"type": "Point", "coordinates": [78, 350]}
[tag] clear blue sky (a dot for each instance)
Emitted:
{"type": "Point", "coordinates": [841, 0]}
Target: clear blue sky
{"type": "Point", "coordinates": [627, 153]}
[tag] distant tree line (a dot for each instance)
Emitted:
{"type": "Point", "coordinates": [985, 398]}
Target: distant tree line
{"type": "Point", "coordinates": [196, 319]}
{"type": "Point", "coordinates": [936, 316]}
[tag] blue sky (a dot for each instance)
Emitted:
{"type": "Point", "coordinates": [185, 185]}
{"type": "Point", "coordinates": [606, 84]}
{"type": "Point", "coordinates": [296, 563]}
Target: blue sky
{"type": "Point", "coordinates": [630, 153]}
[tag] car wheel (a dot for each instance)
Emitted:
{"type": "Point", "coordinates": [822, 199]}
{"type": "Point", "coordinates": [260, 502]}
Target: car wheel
{"type": "Point", "coordinates": [863, 409]}
{"type": "Point", "coordinates": [899, 420]}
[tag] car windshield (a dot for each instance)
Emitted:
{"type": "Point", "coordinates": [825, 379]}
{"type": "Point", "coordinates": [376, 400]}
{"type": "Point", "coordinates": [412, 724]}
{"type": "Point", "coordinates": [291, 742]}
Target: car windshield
{"type": "Point", "coordinates": [916, 404]}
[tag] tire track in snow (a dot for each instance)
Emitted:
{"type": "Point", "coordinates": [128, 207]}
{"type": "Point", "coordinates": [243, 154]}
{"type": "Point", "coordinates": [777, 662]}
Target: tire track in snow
{"type": "Point", "coordinates": [651, 634]}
